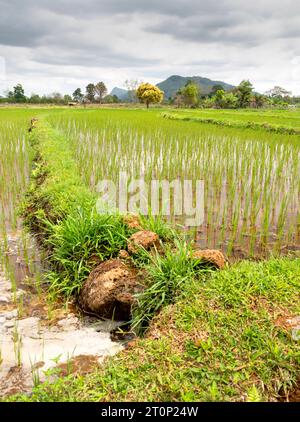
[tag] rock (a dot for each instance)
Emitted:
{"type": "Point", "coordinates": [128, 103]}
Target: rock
{"type": "Point", "coordinates": [28, 327]}
{"type": "Point", "coordinates": [144, 238]}
{"type": "Point", "coordinates": [9, 324]}
{"type": "Point", "coordinates": [5, 286]}
{"type": "Point", "coordinates": [70, 323]}
{"type": "Point", "coordinates": [109, 290]}
{"type": "Point", "coordinates": [10, 314]}
{"type": "Point", "coordinates": [132, 221]}
{"type": "Point", "coordinates": [212, 257]}
{"type": "Point", "coordinates": [4, 300]}
{"type": "Point", "coordinates": [123, 254]}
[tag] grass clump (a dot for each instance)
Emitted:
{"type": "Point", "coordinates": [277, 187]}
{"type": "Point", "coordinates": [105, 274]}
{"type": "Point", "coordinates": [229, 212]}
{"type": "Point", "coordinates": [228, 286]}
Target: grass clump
{"type": "Point", "coordinates": [225, 339]}
{"type": "Point", "coordinates": [81, 241]}
{"type": "Point", "coordinates": [167, 274]}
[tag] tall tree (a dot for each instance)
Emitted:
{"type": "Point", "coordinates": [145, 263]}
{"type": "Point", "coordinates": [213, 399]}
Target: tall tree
{"type": "Point", "coordinates": [90, 93]}
{"type": "Point", "coordinates": [190, 93]}
{"type": "Point", "coordinates": [77, 95]}
{"type": "Point", "coordinates": [244, 93]}
{"type": "Point", "coordinates": [100, 91]}
{"type": "Point", "coordinates": [148, 94]}
{"type": "Point", "coordinates": [278, 92]}
{"type": "Point", "coordinates": [132, 85]}
{"type": "Point", "coordinates": [19, 94]}
{"type": "Point", "coordinates": [216, 88]}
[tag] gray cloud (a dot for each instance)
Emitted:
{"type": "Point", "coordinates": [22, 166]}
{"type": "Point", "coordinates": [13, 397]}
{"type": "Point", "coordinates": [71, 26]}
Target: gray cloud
{"type": "Point", "coordinates": [136, 38]}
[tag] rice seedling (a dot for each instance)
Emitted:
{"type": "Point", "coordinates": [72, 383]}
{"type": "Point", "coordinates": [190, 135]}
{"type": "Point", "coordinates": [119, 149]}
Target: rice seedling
{"type": "Point", "coordinates": [35, 374]}
{"type": "Point", "coordinates": [251, 177]}
{"type": "Point", "coordinates": [18, 257]}
{"type": "Point", "coordinates": [17, 340]}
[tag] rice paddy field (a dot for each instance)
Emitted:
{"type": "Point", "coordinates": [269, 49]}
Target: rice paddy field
{"type": "Point", "coordinates": [229, 335]}
{"type": "Point", "coordinates": [15, 168]}
{"type": "Point", "coordinates": [286, 118]}
{"type": "Point", "coordinates": [251, 177]}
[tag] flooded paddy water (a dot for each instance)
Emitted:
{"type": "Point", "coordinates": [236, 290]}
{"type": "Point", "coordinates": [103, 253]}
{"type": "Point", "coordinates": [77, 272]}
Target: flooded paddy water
{"type": "Point", "coordinates": [251, 178]}
{"type": "Point", "coordinates": [38, 337]}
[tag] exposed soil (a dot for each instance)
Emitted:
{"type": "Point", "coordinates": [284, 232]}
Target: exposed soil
{"type": "Point", "coordinates": [37, 337]}
{"type": "Point", "coordinates": [211, 257]}
{"type": "Point", "coordinates": [293, 395]}
{"type": "Point", "coordinates": [109, 290]}
{"type": "Point", "coordinates": [142, 239]}
{"type": "Point", "coordinates": [80, 365]}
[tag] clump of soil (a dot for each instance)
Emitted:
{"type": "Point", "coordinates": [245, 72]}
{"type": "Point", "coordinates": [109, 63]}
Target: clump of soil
{"type": "Point", "coordinates": [133, 221]}
{"type": "Point", "coordinates": [109, 290]}
{"type": "Point", "coordinates": [212, 257]}
{"type": "Point", "coordinates": [79, 365]}
{"type": "Point", "coordinates": [15, 382]}
{"type": "Point", "coordinates": [144, 239]}
{"type": "Point", "coordinates": [124, 254]}
{"type": "Point", "coordinates": [33, 124]}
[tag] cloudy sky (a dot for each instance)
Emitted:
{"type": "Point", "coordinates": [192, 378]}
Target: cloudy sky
{"type": "Point", "coordinates": [58, 45]}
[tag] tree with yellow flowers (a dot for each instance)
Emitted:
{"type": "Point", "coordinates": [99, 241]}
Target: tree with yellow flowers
{"type": "Point", "coordinates": [148, 94]}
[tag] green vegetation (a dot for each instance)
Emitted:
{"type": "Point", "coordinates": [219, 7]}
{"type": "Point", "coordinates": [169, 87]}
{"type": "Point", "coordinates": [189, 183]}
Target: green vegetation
{"type": "Point", "coordinates": [224, 340]}
{"type": "Point", "coordinates": [216, 336]}
{"type": "Point", "coordinates": [60, 210]}
{"type": "Point", "coordinates": [15, 159]}
{"type": "Point", "coordinates": [273, 118]}
{"type": "Point", "coordinates": [188, 95]}
{"type": "Point", "coordinates": [250, 176]}
{"type": "Point", "coordinates": [230, 122]}
{"type": "Point", "coordinates": [174, 83]}
{"type": "Point", "coordinates": [182, 91]}
{"type": "Point", "coordinates": [166, 275]}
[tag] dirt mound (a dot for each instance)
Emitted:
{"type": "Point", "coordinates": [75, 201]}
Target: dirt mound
{"type": "Point", "coordinates": [33, 124]}
{"type": "Point", "coordinates": [212, 257]}
{"type": "Point", "coordinates": [124, 254]}
{"type": "Point", "coordinates": [109, 290]}
{"type": "Point", "coordinates": [144, 238]}
{"type": "Point", "coordinates": [79, 365]}
{"type": "Point", "coordinates": [133, 221]}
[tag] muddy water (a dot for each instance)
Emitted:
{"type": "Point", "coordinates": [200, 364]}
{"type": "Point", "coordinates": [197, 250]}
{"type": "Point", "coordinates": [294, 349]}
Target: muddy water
{"type": "Point", "coordinates": [37, 339]}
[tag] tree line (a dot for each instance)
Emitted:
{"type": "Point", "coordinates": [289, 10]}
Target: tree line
{"type": "Point", "coordinates": [242, 96]}
{"type": "Point", "coordinates": [94, 93]}
{"type": "Point", "coordinates": [190, 95]}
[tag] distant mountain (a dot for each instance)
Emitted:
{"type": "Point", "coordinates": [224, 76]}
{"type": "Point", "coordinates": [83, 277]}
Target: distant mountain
{"type": "Point", "coordinates": [122, 94]}
{"type": "Point", "coordinates": [172, 84]}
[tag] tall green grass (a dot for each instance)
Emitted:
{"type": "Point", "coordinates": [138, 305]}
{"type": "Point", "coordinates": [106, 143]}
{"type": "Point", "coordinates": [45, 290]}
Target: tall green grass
{"type": "Point", "coordinates": [224, 339]}
{"type": "Point", "coordinates": [60, 210]}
